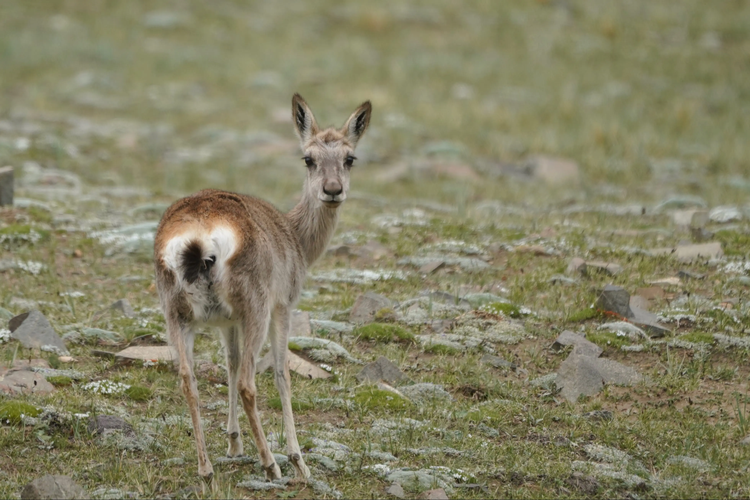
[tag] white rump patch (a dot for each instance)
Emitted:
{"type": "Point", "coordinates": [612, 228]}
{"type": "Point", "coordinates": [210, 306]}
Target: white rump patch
{"type": "Point", "coordinates": [221, 242]}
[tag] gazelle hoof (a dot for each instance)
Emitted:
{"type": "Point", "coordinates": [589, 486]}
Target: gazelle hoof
{"type": "Point", "coordinates": [300, 469]}
{"type": "Point", "coordinates": [272, 472]}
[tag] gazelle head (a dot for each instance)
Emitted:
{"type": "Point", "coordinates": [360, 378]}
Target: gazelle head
{"type": "Point", "coordinates": [329, 153]}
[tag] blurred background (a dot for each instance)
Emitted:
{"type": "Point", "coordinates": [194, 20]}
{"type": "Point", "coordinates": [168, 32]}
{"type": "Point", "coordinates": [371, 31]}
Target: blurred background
{"type": "Point", "coordinates": [543, 102]}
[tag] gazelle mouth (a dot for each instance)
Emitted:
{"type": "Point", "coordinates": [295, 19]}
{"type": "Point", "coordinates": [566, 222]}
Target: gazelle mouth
{"type": "Point", "coordinates": [332, 203]}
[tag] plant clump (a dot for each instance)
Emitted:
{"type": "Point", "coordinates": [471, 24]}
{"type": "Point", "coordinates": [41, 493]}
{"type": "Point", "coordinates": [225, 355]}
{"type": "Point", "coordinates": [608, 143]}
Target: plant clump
{"type": "Point", "coordinates": [383, 332]}
{"type": "Point", "coordinates": [138, 393]}
{"type": "Point", "coordinates": [13, 412]}
{"type": "Point", "coordinates": [60, 380]}
{"type": "Point", "coordinates": [373, 398]}
{"type": "Point", "coordinates": [505, 309]}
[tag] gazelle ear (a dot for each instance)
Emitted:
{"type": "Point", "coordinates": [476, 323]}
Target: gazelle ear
{"type": "Point", "coordinates": [304, 121]}
{"type": "Point", "coordinates": [357, 123]}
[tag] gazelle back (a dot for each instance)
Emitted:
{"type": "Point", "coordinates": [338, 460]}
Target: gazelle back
{"type": "Point", "coordinates": [235, 262]}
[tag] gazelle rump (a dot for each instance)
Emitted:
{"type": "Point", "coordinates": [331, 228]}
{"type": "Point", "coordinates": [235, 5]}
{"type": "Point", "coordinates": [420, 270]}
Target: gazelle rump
{"type": "Point", "coordinates": [237, 263]}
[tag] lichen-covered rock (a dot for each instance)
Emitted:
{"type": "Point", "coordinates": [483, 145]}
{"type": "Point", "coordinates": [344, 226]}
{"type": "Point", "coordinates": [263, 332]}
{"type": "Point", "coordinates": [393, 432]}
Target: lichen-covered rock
{"type": "Point", "coordinates": [53, 488]}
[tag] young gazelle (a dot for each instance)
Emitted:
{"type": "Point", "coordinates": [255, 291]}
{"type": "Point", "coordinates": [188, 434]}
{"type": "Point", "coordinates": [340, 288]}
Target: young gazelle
{"type": "Point", "coordinates": [232, 261]}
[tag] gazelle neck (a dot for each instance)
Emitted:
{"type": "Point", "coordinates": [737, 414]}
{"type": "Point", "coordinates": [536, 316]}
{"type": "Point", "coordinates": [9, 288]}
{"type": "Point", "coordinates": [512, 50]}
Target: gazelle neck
{"type": "Point", "coordinates": [314, 224]}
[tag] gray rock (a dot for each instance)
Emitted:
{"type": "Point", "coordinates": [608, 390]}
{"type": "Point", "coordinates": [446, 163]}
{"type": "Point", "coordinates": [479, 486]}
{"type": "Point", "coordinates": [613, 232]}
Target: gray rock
{"type": "Point", "coordinates": [6, 186]}
{"type": "Point", "coordinates": [649, 322]}
{"type": "Point", "coordinates": [34, 332]}
{"type": "Point", "coordinates": [448, 300]}
{"type": "Point", "coordinates": [396, 490]}
{"type": "Point", "coordinates": [381, 369]}
{"type": "Point", "coordinates": [426, 392]}
{"type": "Point", "coordinates": [615, 299]}
{"type": "Point", "coordinates": [367, 306]}
{"type": "Point", "coordinates": [587, 375]}
{"type": "Point", "coordinates": [603, 267]}
{"type": "Point", "coordinates": [497, 362]}
{"type": "Point", "coordinates": [576, 266]}
{"type": "Point", "coordinates": [53, 487]}
{"type": "Point", "coordinates": [107, 424]}
{"type": "Point", "coordinates": [598, 415]}
{"type": "Point", "coordinates": [331, 326]}
{"type": "Point", "coordinates": [123, 306]}
{"type": "Point", "coordinates": [436, 494]}
{"type": "Point", "coordinates": [580, 344]}
{"type": "Point", "coordinates": [689, 253]}
{"type": "Point", "coordinates": [24, 382]}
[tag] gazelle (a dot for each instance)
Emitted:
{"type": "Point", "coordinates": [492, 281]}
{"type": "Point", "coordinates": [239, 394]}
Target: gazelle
{"type": "Point", "coordinates": [235, 262]}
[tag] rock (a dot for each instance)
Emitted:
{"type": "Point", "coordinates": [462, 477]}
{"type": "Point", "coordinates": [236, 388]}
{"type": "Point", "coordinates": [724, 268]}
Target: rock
{"type": "Point", "coordinates": [300, 324]}
{"type": "Point", "coordinates": [318, 325]}
{"type": "Point", "coordinates": [615, 299]}
{"type": "Point", "coordinates": [576, 266]}
{"type": "Point", "coordinates": [53, 487]}
{"type": "Point", "coordinates": [24, 382]}
{"type": "Point", "coordinates": [6, 186]}
{"type": "Point", "coordinates": [725, 214]}
{"type": "Point", "coordinates": [381, 369]}
{"type": "Point", "coordinates": [559, 279]}
{"type": "Point", "coordinates": [368, 306]}
{"type": "Point", "coordinates": [598, 415]}
{"type": "Point", "coordinates": [396, 490]}
{"type": "Point", "coordinates": [580, 344]}
{"type": "Point", "coordinates": [423, 479]}
{"type": "Point", "coordinates": [102, 425]}
{"type": "Point", "coordinates": [426, 392]}
{"type": "Point", "coordinates": [147, 353]}
{"type": "Point", "coordinates": [497, 362]}
{"type": "Point", "coordinates": [305, 368]}
{"type": "Point", "coordinates": [670, 281]}
{"type": "Point", "coordinates": [34, 332]}
{"type": "Point", "coordinates": [123, 306]}
{"type": "Point", "coordinates": [587, 375]}
{"type": "Point", "coordinates": [553, 170]}
{"type": "Point", "coordinates": [323, 350]}
{"type": "Point", "coordinates": [603, 267]}
{"type": "Point", "coordinates": [649, 322]}
{"type": "Point", "coordinates": [689, 253]}
{"type": "Point", "coordinates": [436, 494]}
{"type": "Point", "coordinates": [431, 267]}
{"type": "Point", "coordinates": [624, 328]}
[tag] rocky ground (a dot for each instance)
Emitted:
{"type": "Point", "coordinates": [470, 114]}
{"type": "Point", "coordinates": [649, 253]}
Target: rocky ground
{"type": "Point", "coordinates": [526, 296]}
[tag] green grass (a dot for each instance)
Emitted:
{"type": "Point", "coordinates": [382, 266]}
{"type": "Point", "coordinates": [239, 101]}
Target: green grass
{"type": "Point", "coordinates": [60, 380]}
{"type": "Point", "coordinates": [11, 412]}
{"type": "Point", "coordinates": [378, 400]}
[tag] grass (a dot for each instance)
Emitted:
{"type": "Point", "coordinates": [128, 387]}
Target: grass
{"type": "Point", "coordinates": [646, 97]}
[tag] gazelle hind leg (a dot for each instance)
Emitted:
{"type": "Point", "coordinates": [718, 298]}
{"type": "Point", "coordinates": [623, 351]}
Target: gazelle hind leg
{"type": "Point", "coordinates": [279, 337]}
{"type": "Point", "coordinates": [181, 337]}
{"type": "Point", "coordinates": [233, 353]}
{"type": "Point", "coordinates": [255, 326]}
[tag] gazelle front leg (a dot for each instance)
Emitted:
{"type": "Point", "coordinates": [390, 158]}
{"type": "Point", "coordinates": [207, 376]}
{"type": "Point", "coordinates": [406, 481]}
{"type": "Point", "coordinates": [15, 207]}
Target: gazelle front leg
{"type": "Point", "coordinates": [232, 348]}
{"type": "Point", "coordinates": [279, 338]}
{"type": "Point", "coordinates": [181, 338]}
{"type": "Point", "coordinates": [255, 327]}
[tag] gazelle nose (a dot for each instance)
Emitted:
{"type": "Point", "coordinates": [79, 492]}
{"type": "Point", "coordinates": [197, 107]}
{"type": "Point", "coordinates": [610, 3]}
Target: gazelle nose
{"type": "Point", "coordinates": [332, 187]}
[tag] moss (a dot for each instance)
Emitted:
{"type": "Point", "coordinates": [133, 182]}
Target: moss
{"type": "Point", "coordinates": [16, 229]}
{"type": "Point", "coordinates": [377, 398]}
{"type": "Point", "coordinates": [385, 314]}
{"type": "Point", "coordinates": [60, 380]}
{"type": "Point", "coordinates": [734, 243]}
{"type": "Point", "coordinates": [40, 214]}
{"type": "Point", "coordinates": [584, 315]}
{"type": "Point", "coordinates": [293, 346]}
{"type": "Point", "coordinates": [510, 310]}
{"type": "Point", "coordinates": [608, 339]}
{"type": "Point", "coordinates": [383, 332]}
{"type": "Point", "coordinates": [696, 337]}
{"type": "Point", "coordinates": [138, 393]}
{"type": "Point", "coordinates": [297, 405]}
{"type": "Point", "coordinates": [441, 349]}
{"type": "Point", "coordinates": [53, 360]}
{"type": "Point", "coordinates": [11, 411]}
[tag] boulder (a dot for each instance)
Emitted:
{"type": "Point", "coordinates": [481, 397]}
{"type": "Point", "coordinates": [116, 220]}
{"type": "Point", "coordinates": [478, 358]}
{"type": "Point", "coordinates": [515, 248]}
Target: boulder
{"type": "Point", "coordinates": [53, 487]}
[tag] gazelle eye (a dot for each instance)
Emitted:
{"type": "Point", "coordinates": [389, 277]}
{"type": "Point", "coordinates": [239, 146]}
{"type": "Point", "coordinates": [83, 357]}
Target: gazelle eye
{"type": "Point", "coordinates": [309, 161]}
{"type": "Point", "coordinates": [349, 161]}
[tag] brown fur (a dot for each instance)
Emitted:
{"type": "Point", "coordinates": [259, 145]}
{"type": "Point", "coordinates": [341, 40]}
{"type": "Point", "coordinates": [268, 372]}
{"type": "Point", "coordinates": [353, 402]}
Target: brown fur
{"type": "Point", "coordinates": [259, 257]}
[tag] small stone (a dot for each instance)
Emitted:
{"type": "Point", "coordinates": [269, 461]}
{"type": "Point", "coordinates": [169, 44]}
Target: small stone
{"type": "Point", "coordinates": [587, 375]}
{"type": "Point", "coordinates": [124, 307]}
{"type": "Point", "coordinates": [24, 382]}
{"type": "Point", "coordinates": [649, 322]}
{"type": "Point", "coordinates": [671, 281]}
{"type": "Point", "coordinates": [106, 424]}
{"type": "Point", "coordinates": [396, 490]}
{"type": "Point", "coordinates": [6, 186]}
{"type": "Point", "coordinates": [436, 494]}
{"type": "Point", "coordinates": [580, 344]}
{"type": "Point", "coordinates": [576, 266]}
{"type": "Point", "coordinates": [598, 415]}
{"type": "Point", "coordinates": [497, 362]}
{"type": "Point", "coordinates": [603, 267]}
{"type": "Point", "coordinates": [431, 267]}
{"type": "Point", "coordinates": [367, 306]}
{"type": "Point", "coordinates": [147, 353]}
{"type": "Point", "coordinates": [688, 253]}
{"type": "Point", "coordinates": [53, 487]}
{"type": "Point", "coordinates": [615, 299]}
{"type": "Point", "coordinates": [553, 170]}
{"type": "Point", "coordinates": [381, 369]}
{"type": "Point", "coordinates": [34, 331]}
